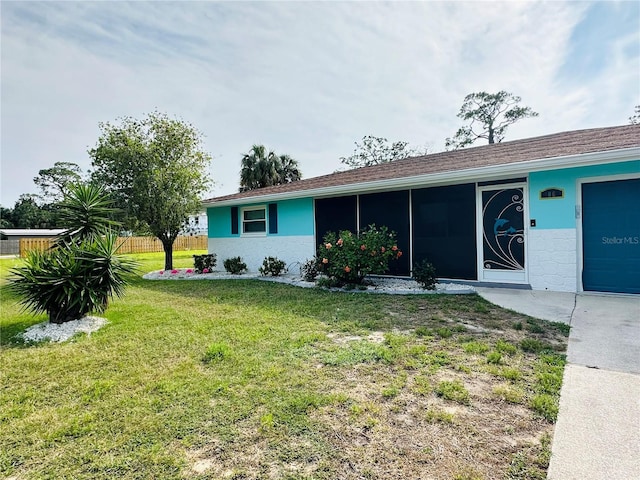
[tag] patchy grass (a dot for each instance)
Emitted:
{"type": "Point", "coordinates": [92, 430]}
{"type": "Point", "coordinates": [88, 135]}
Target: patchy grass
{"type": "Point", "coordinates": [250, 379]}
{"type": "Point", "coordinates": [454, 391]}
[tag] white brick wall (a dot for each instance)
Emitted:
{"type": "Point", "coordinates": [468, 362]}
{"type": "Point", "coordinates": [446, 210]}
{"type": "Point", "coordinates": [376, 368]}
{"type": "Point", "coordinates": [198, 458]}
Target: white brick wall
{"type": "Point", "coordinates": [253, 250]}
{"type": "Point", "coordinates": [553, 260]}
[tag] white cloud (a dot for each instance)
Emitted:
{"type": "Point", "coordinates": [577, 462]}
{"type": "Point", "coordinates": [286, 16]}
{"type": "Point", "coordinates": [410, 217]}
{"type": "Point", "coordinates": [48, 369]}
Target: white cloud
{"type": "Point", "coordinates": [307, 79]}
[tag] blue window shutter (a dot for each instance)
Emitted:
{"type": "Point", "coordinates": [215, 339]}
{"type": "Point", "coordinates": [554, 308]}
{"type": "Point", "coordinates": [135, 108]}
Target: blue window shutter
{"type": "Point", "coordinates": [234, 220]}
{"type": "Point", "coordinates": [273, 218]}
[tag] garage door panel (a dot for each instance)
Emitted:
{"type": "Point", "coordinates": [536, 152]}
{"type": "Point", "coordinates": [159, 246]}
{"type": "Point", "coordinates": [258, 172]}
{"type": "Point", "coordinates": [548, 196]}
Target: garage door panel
{"type": "Point", "coordinates": [611, 236]}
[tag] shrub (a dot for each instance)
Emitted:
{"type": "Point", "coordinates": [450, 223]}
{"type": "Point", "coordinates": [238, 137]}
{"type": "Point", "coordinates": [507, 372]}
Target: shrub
{"type": "Point", "coordinates": [81, 272]}
{"type": "Point", "coordinates": [272, 266]}
{"type": "Point", "coordinates": [425, 274]}
{"type": "Point", "coordinates": [348, 258]}
{"type": "Point", "coordinates": [326, 282]}
{"type": "Point", "coordinates": [309, 270]}
{"type": "Point", "coordinates": [235, 265]}
{"type": "Point", "coordinates": [202, 262]}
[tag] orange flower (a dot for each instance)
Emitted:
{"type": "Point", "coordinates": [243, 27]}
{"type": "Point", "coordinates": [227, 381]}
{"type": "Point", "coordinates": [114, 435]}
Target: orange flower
{"type": "Point", "coordinates": [394, 248]}
{"type": "Point", "coordinates": [363, 247]}
{"type": "Point", "coordinates": [382, 249]}
{"type": "Point", "coordinates": [399, 253]}
{"type": "Point", "coordinates": [347, 269]}
{"type": "Point", "coordinates": [339, 242]}
{"type": "Point", "coordinates": [327, 246]}
{"type": "Point", "coordinates": [325, 260]}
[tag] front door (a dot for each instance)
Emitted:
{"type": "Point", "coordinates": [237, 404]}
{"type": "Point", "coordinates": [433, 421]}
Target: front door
{"type": "Point", "coordinates": [501, 236]}
{"type": "Point", "coordinates": [611, 236]}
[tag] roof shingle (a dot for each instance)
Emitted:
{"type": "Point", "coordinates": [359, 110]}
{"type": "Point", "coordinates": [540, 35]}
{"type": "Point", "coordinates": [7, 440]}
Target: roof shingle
{"type": "Point", "coordinates": [548, 146]}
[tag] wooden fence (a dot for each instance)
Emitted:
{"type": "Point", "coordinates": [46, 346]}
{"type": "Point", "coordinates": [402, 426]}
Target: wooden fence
{"type": "Point", "coordinates": [129, 244]}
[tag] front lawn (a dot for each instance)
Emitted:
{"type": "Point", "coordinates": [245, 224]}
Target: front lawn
{"type": "Point", "coordinates": [256, 380]}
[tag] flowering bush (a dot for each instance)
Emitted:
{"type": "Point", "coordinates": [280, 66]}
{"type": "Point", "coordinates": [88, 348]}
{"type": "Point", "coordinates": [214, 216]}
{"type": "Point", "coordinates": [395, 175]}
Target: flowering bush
{"type": "Point", "coordinates": [202, 262]}
{"type": "Point", "coordinates": [347, 258]}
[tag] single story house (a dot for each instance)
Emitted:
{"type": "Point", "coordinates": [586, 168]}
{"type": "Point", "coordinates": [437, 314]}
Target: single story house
{"type": "Point", "coordinates": [558, 212]}
{"type": "Point", "coordinates": [10, 237]}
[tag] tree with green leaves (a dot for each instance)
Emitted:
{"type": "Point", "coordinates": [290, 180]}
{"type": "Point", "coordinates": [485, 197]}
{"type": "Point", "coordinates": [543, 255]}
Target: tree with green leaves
{"type": "Point", "coordinates": [377, 150]}
{"type": "Point", "coordinates": [6, 217]}
{"type": "Point", "coordinates": [261, 168]}
{"type": "Point", "coordinates": [156, 170]}
{"type": "Point", "coordinates": [28, 213]}
{"type": "Point", "coordinates": [54, 182]}
{"type": "Point", "coordinates": [489, 115]}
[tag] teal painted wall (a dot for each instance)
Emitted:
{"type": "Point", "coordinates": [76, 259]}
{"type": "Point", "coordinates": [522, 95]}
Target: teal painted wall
{"type": "Point", "coordinates": [295, 217]}
{"type": "Point", "coordinates": [560, 212]}
{"type": "Point", "coordinates": [219, 221]}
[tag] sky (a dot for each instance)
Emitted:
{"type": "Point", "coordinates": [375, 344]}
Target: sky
{"type": "Point", "coordinates": [307, 79]}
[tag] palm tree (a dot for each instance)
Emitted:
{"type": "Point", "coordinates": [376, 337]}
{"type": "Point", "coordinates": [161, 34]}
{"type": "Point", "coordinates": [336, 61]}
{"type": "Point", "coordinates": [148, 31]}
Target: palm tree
{"type": "Point", "coordinates": [260, 168]}
{"type": "Point", "coordinates": [288, 169]}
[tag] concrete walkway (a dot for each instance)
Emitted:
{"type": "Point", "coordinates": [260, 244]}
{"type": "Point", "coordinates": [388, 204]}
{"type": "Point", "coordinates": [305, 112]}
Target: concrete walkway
{"type": "Point", "coordinates": [597, 435]}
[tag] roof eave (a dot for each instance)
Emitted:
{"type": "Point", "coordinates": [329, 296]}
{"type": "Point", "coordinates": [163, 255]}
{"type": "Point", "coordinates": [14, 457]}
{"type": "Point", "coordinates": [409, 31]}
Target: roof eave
{"type": "Point", "coordinates": [455, 176]}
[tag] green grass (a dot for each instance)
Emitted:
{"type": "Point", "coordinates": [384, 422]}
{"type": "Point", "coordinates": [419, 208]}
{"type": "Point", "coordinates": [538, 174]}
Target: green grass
{"type": "Point", "coordinates": [453, 390]}
{"type": "Point", "coordinates": [250, 375]}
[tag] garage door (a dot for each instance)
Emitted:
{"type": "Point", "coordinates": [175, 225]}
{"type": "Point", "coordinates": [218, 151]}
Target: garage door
{"type": "Point", "coordinates": [611, 236]}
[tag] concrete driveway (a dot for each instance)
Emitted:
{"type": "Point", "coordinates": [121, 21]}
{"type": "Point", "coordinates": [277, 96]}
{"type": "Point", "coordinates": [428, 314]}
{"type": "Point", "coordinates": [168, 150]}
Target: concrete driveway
{"type": "Point", "coordinates": [597, 435]}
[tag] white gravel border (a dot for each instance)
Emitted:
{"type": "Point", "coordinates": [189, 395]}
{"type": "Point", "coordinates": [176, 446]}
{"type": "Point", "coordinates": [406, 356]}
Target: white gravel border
{"type": "Point", "coordinates": [395, 286]}
{"type": "Point", "coordinates": [55, 332]}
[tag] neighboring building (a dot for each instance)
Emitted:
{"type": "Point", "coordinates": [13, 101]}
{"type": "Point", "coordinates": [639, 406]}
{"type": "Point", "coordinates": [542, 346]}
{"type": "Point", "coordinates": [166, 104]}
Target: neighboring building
{"type": "Point", "coordinates": [10, 237]}
{"type": "Point", "coordinates": [558, 212]}
{"type": "Point", "coordinates": [196, 225]}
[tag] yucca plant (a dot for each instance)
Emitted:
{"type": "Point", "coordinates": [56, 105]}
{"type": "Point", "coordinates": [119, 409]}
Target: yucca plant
{"type": "Point", "coordinates": [88, 211]}
{"type": "Point", "coordinates": [81, 272]}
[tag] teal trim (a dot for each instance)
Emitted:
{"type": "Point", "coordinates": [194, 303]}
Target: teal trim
{"type": "Point", "coordinates": [219, 219]}
{"type": "Point", "coordinates": [295, 217]}
{"type": "Point", "coordinates": [560, 213]}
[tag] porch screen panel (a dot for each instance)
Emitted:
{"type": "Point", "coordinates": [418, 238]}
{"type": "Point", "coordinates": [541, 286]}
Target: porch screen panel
{"type": "Point", "coordinates": [390, 209]}
{"type": "Point", "coordinates": [335, 214]}
{"type": "Point", "coordinates": [444, 229]}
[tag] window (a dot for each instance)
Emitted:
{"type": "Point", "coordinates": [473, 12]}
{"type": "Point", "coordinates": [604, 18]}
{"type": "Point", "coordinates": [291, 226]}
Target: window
{"type": "Point", "coordinates": [254, 220]}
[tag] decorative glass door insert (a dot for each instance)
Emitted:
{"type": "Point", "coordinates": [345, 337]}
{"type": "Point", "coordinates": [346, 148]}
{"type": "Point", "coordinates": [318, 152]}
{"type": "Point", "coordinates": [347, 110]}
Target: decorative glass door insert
{"type": "Point", "coordinates": [503, 234]}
